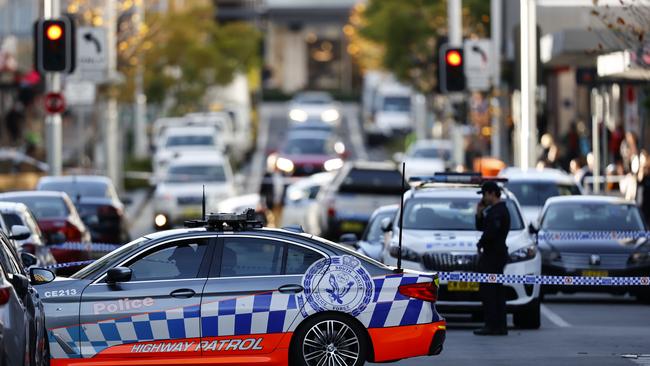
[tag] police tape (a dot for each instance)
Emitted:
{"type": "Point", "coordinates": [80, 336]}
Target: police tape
{"type": "Point", "coordinates": [94, 247]}
{"type": "Point", "coordinates": [543, 280]}
{"type": "Point", "coordinates": [593, 235]}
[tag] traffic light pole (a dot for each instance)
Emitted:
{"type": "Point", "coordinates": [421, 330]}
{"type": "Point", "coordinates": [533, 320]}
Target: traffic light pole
{"type": "Point", "coordinates": [53, 134]}
{"type": "Point", "coordinates": [528, 49]}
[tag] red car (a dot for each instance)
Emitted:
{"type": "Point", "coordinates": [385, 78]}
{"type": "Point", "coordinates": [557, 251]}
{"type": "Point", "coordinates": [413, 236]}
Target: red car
{"type": "Point", "coordinates": [59, 221]}
{"type": "Point", "coordinates": [307, 152]}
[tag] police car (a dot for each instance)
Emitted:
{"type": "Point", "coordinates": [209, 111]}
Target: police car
{"type": "Point", "coordinates": [226, 291]}
{"type": "Point", "coordinates": [440, 235]}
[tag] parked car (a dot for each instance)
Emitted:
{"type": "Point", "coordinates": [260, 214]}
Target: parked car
{"type": "Point", "coordinates": [19, 171]}
{"type": "Point", "coordinates": [426, 157]}
{"type": "Point", "coordinates": [23, 337]}
{"type": "Point", "coordinates": [373, 240]}
{"type": "Point", "coordinates": [358, 189]}
{"type": "Point", "coordinates": [593, 236]}
{"type": "Point", "coordinates": [59, 221]}
{"type": "Point", "coordinates": [98, 204]}
{"type": "Point", "coordinates": [534, 186]}
{"type": "Point", "coordinates": [300, 196]}
{"type": "Point", "coordinates": [179, 195]}
{"type": "Point", "coordinates": [315, 106]}
{"type": "Point", "coordinates": [14, 214]}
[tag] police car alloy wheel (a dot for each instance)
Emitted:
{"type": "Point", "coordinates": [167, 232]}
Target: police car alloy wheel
{"type": "Point", "coordinates": [330, 340]}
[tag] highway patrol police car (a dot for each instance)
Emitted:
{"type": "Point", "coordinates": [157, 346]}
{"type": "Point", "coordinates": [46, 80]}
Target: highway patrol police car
{"type": "Point", "coordinates": [440, 235]}
{"type": "Point", "coordinates": [226, 291]}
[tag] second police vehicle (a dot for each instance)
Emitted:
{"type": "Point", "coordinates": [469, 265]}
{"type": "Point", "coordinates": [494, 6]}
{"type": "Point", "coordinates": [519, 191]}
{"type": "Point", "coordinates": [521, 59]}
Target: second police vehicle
{"type": "Point", "coordinates": [225, 290]}
{"type": "Point", "coordinates": [439, 234]}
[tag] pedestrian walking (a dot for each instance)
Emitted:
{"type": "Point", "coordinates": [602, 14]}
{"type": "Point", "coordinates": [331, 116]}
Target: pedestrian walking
{"type": "Point", "coordinates": [493, 219]}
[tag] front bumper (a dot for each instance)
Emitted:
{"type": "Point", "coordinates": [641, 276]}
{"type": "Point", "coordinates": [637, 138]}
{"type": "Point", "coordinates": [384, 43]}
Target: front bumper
{"type": "Point", "coordinates": [396, 343]}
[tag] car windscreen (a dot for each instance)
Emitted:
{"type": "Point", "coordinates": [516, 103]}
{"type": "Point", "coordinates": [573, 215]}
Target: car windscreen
{"type": "Point", "coordinates": [315, 98]}
{"type": "Point", "coordinates": [193, 173]}
{"type": "Point", "coordinates": [108, 261]}
{"type": "Point", "coordinates": [458, 214]}
{"type": "Point", "coordinates": [431, 153]}
{"type": "Point", "coordinates": [306, 146]}
{"type": "Point", "coordinates": [536, 193]}
{"type": "Point", "coordinates": [373, 181]}
{"type": "Point", "coordinates": [586, 216]}
{"type": "Point", "coordinates": [43, 207]}
{"type": "Point", "coordinates": [190, 140]}
{"type": "Point", "coordinates": [374, 233]}
{"type": "Point", "coordinates": [77, 189]}
{"type": "Point", "coordinates": [397, 104]}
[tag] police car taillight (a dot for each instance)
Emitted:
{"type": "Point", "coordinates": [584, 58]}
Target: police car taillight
{"type": "Point", "coordinates": [426, 291]}
{"type": "Point", "coordinates": [5, 294]}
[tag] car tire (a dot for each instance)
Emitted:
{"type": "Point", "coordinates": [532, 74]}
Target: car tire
{"type": "Point", "coordinates": [328, 337]}
{"type": "Point", "coordinates": [528, 316]}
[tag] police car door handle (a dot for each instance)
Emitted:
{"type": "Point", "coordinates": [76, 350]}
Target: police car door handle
{"type": "Point", "coordinates": [182, 293]}
{"type": "Point", "coordinates": [290, 289]}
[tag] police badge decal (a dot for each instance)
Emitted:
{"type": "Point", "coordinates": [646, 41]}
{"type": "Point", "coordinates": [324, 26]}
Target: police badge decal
{"type": "Point", "coordinates": [344, 285]}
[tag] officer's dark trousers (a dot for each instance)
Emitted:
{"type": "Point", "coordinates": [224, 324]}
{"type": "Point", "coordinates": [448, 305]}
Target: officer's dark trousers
{"type": "Point", "coordinates": [493, 294]}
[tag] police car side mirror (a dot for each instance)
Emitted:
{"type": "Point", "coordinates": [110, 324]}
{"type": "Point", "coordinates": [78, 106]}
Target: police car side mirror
{"type": "Point", "coordinates": [118, 274]}
{"type": "Point", "coordinates": [386, 225]}
{"type": "Point", "coordinates": [532, 229]}
{"type": "Point", "coordinates": [19, 232]}
{"type": "Point", "coordinates": [39, 276]}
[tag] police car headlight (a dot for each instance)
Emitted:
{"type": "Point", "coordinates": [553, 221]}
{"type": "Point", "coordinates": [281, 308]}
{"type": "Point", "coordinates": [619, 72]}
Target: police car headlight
{"type": "Point", "coordinates": [284, 165]}
{"type": "Point", "coordinates": [333, 164]}
{"type": "Point", "coordinates": [523, 254]}
{"type": "Point", "coordinates": [298, 115]}
{"type": "Point", "coordinates": [407, 254]}
{"type": "Point", "coordinates": [330, 115]}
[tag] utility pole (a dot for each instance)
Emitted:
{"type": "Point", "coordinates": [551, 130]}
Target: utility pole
{"type": "Point", "coordinates": [496, 8]}
{"type": "Point", "coordinates": [528, 47]}
{"type": "Point", "coordinates": [140, 128]}
{"type": "Point", "coordinates": [53, 134]}
{"type": "Point", "coordinates": [111, 123]}
{"type": "Point", "coordinates": [596, 117]}
{"type": "Point", "coordinates": [455, 23]}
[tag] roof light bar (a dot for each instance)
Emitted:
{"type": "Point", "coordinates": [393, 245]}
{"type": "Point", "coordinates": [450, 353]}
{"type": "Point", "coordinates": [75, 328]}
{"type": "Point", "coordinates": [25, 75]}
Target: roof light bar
{"type": "Point", "coordinates": [227, 221]}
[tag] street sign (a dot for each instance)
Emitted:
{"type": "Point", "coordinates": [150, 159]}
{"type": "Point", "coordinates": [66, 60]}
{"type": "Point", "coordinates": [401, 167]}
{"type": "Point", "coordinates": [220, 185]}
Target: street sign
{"type": "Point", "coordinates": [478, 64]}
{"type": "Point", "coordinates": [54, 103]}
{"type": "Point", "coordinates": [92, 57]}
{"type": "Point", "coordinates": [80, 93]}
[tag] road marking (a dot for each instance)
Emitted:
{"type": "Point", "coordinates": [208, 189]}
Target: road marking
{"type": "Point", "coordinates": [355, 133]}
{"type": "Point", "coordinates": [257, 164]}
{"type": "Point", "coordinates": [553, 317]}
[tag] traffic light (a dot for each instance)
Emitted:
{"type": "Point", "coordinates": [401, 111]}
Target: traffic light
{"type": "Point", "coordinates": [54, 41]}
{"type": "Point", "coordinates": [451, 73]}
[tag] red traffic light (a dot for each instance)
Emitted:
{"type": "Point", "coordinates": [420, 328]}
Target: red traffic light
{"type": "Point", "coordinates": [54, 32]}
{"type": "Point", "coordinates": [454, 58]}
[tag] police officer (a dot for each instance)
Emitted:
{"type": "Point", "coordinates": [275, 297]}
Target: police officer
{"type": "Point", "coordinates": [493, 219]}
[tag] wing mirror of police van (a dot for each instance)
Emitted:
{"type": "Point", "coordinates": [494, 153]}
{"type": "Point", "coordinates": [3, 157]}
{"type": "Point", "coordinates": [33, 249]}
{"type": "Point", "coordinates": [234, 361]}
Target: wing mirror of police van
{"type": "Point", "coordinates": [39, 276]}
{"type": "Point", "coordinates": [19, 232]}
{"type": "Point", "coordinates": [118, 274]}
{"type": "Point", "coordinates": [349, 239]}
{"type": "Point", "coordinates": [386, 224]}
{"type": "Point", "coordinates": [532, 229]}
{"type": "Point", "coordinates": [28, 259]}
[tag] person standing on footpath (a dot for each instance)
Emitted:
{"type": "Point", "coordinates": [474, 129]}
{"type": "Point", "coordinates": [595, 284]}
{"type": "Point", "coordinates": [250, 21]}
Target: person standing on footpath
{"type": "Point", "coordinates": [493, 219]}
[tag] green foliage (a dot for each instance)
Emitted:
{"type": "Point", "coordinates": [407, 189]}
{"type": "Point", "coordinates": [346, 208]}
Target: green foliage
{"type": "Point", "coordinates": [188, 51]}
{"type": "Point", "coordinates": [408, 30]}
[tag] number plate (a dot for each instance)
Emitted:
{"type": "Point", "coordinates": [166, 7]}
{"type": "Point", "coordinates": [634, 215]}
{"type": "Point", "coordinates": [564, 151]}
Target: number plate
{"type": "Point", "coordinates": [463, 286]}
{"type": "Point", "coordinates": [594, 273]}
{"type": "Point", "coordinates": [351, 226]}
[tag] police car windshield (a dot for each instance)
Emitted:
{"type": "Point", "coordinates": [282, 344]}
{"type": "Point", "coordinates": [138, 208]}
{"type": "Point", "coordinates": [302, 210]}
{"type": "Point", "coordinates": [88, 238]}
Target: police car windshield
{"type": "Point", "coordinates": [196, 173]}
{"type": "Point", "coordinates": [104, 263]}
{"type": "Point", "coordinates": [456, 214]}
{"type": "Point", "coordinates": [581, 216]}
{"type": "Point", "coordinates": [536, 193]}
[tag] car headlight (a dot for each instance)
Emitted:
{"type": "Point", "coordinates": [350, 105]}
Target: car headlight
{"type": "Point", "coordinates": [640, 258]}
{"type": "Point", "coordinates": [298, 115]}
{"type": "Point", "coordinates": [407, 254]}
{"type": "Point", "coordinates": [329, 115]}
{"type": "Point", "coordinates": [523, 254]}
{"type": "Point", "coordinates": [160, 220]}
{"type": "Point", "coordinates": [284, 165]}
{"type": "Point", "coordinates": [333, 164]}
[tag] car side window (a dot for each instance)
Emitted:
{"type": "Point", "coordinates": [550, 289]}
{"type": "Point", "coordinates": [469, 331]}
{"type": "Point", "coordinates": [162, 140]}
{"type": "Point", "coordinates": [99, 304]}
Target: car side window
{"type": "Point", "coordinates": [251, 257]}
{"type": "Point", "coordinates": [299, 259]}
{"type": "Point", "coordinates": [180, 260]}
